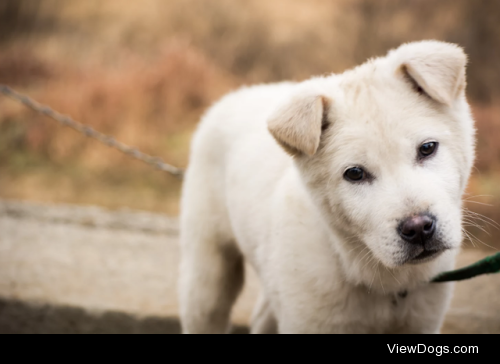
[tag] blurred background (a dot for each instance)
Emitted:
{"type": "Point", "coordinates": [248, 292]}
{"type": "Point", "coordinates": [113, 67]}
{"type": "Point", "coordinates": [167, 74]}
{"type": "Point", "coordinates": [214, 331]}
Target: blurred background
{"type": "Point", "coordinates": [145, 71]}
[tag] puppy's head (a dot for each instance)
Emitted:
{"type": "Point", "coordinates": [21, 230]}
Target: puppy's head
{"type": "Point", "coordinates": [386, 151]}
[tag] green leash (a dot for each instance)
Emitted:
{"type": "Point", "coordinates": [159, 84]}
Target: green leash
{"type": "Point", "coordinates": [489, 265]}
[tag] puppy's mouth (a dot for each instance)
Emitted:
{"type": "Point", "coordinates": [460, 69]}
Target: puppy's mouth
{"type": "Point", "coordinates": [425, 255]}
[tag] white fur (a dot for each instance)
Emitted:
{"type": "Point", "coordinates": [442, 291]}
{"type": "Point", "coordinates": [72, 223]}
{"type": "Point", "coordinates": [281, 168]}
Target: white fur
{"type": "Point", "coordinates": [326, 250]}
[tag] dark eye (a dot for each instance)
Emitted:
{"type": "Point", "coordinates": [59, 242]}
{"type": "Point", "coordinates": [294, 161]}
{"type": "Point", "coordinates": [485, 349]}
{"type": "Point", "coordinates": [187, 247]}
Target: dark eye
{"type": "Point", "coordinates": [355, 174]}
{"type": "Point", "coordinates": [428, 149]}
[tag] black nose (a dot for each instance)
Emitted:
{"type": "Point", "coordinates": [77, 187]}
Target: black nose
{"type": "Point", "coordinates": [418, 229]}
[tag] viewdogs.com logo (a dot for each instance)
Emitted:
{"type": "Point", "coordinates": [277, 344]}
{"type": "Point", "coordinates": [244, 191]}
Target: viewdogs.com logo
{"type": "Point", "coordinates": [436, 350]}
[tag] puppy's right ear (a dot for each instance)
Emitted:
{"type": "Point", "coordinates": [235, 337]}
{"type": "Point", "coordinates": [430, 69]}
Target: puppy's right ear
{"type": "Point", "coordinates": [437, 68]}
{"type": "Point", "coordinates": [297, 127]}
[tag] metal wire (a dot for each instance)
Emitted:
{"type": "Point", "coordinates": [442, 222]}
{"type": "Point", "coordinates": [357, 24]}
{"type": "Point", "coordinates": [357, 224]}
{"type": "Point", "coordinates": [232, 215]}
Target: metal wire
{"type": "Point", "coordinates": [89, 132]}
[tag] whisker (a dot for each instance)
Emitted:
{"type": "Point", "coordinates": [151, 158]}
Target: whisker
{"type": "Point", "coordinates": [480, 203]}
{"type": "Point", "coordinates": [349, 241]}
{"type": "Point", "coordinates": [362, 250]}
{"type": "Point", "coordinates": [471, 197]}
{"type": "Point", "coordinates": [481, 217]}
{"type": "Point", "coordinates": [471, 223]}
{"type": "Point", "coordinates": [392, 274]}
{"type": "Point", "coordinates": [353, 249]}
{"type": "Point", "coordinates": [469, 238]}
{"type": "Point", "coordinates": [481, 229]}
{"type": "Point", "coordinates": [482, 242]}
{"type": "Point", "coordinates": [370, 260]}
{"type": "Point", "coordinates": [373, 280]}
{"type": "Point", "coordinates": [491, 224]}
{"type": "Point", "coordinates": [380, 279]}
{"type": "Point", "coordinates": [478, 227]}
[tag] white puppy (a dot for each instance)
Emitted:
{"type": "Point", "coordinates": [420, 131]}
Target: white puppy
{"type": "Point", "coordinates": [344, 193]}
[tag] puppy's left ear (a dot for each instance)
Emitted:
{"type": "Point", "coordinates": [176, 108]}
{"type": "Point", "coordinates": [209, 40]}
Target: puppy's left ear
{"type": "Point", "coordinates": [438, 68]}
{"type": "Point", "coordinates": [298, 126]}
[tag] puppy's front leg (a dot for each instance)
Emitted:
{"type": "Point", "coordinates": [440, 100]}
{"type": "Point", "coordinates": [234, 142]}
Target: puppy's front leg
{"type": "Point", "coordinates": [263, 318]}
{"type": "Point", "coordinates": [308, 294]}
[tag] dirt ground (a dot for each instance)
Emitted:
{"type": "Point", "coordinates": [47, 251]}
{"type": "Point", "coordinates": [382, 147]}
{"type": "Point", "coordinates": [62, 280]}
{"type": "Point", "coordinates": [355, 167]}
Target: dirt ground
{"type": "Point", "coordinates": [68, 269]}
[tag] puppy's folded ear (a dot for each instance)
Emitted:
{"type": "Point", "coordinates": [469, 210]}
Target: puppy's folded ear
{"type": "Point", "coordinates": [298, 126]}
{"type": "Point", "coordinates": [437, 68]}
